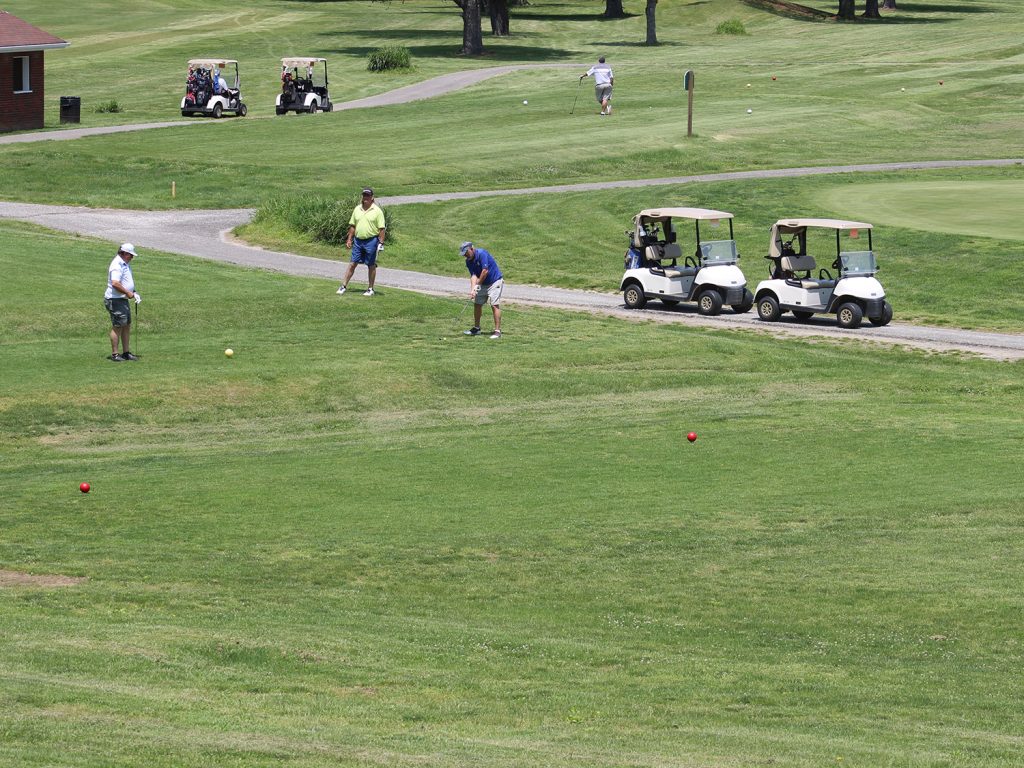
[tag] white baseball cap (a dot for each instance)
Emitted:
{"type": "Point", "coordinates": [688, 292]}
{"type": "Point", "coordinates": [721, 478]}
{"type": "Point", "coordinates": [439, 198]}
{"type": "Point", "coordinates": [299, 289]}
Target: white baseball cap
{"type": "Point", "coordinates": [127, 248]}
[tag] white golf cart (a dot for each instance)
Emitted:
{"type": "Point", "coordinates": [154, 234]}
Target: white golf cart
{"type": "Point", "coordinates": [853, 295]}
{"type": "Point", "coordinates": [710, 276]}
{"type": "Point", "coordinates": [303, 86]}
{"type": "Point", "coordinates": [208, 92]}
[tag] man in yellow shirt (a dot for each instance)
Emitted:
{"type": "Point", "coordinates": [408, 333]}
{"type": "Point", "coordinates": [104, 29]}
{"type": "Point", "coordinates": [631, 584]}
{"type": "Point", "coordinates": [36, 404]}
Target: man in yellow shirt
{"type": "Point", "coordinates": [367, 227]}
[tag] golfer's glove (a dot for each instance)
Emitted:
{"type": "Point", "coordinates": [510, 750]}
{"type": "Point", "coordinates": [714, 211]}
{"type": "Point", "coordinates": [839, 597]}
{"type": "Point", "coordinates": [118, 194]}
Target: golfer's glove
{"type": "Point", "coordinates": [380, 247]}
{"type": "Point", "coordinates": [138, 299]}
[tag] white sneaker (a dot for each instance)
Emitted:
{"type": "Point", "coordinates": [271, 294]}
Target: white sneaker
{"type": "Point", "coordinates": [496, 335]}
{"type": "Point", "coordinates": [342, 290]}
{"type": "Point", "coordinates": [368, 292]}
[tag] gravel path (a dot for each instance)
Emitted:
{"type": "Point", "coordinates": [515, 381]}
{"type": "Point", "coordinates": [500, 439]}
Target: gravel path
{"type": "Point", "coordinates": [206, 234]}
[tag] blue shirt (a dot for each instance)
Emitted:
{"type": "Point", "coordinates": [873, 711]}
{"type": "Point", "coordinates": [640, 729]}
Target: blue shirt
{"type": "Point", "coordinates": [483, 260]}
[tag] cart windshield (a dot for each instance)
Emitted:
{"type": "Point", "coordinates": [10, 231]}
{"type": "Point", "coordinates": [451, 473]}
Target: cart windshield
{"type": "Point", "coordinates": [718, 252]}
{"type": "Point", "coordinates": [857, 263]}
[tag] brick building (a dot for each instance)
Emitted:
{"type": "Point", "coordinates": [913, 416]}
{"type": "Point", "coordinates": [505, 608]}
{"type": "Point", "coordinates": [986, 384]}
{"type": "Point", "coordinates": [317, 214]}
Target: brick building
{"type": "Point", "coordinates": [21, 72]}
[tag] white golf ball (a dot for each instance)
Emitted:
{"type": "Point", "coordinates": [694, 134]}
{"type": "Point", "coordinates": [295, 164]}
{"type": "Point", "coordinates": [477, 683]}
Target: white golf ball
{"type": "Point", "coordinates": [229, 353]}
{"type": "Point", "coordinates": [903, 89]}
{"type": "Point", "coordinates": [525, 101]}
{"type": "Point", "coordinates": [748, 85]}
{"type": "Point", "coordinates": [750, 111]}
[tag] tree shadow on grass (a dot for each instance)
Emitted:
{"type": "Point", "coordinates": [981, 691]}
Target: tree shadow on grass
{"type": "Point", "coordinates": [637, 44]}
{"type": "Point", "coordinates": [535, 16]}
{"type": "Point", "coordinates": [512, 53]}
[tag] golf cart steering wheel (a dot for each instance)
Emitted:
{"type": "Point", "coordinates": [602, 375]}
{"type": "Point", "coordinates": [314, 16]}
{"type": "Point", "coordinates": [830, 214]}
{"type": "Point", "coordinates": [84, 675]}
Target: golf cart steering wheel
{"type": "Point", "coordinates": [824, 274]}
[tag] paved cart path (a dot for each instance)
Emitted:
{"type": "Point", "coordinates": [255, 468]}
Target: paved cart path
{"type": "Point", "coordinates": [206, 234]}
{"type": "Point", "coordinates": [427, 89]}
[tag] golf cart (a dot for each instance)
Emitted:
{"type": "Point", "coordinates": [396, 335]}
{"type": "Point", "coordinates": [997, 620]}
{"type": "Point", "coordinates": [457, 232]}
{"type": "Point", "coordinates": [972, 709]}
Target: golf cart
{"type": "Point", "coordinates": [853, 295]}
{"type": "Point", "coordinates": [303, 86]}
{"type": "Point", "coordinates": [208, 92]}
{"type": "Point", "coordinates": [710, 276]}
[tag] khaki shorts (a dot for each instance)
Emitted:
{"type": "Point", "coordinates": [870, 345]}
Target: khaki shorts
{"type": "Point", "coordinates": [603, 92]}
{"type": "Point", "coordinates": [491, 293]}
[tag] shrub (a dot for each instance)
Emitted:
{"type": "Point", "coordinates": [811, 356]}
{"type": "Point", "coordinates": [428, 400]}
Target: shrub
{"type": "Point", "coordinates": [382, 59]}
{"type": "Point", "coordinates": [731, 27]}
{"type": "Point", "coordinates": [108, 106]}
{"type": "Point", "coordinates": [321, 219]}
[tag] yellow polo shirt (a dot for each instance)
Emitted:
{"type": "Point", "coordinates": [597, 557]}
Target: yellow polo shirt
{"type": "Point", "coordinates": [367, 222]}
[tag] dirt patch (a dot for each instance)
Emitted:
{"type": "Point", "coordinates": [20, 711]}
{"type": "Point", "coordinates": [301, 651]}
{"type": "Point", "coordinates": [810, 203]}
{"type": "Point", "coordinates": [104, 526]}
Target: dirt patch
{"type": "Point", "coordinates": [48, 580]}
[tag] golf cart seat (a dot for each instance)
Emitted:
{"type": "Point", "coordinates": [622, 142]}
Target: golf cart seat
{"type": "Point", "coordinates": [793, 264]}
{"type": "Point", "coordinates": [668, 252]}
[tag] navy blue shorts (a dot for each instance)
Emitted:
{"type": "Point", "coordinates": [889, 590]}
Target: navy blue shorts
{"type": "Point", "coordinates": [365, 251]}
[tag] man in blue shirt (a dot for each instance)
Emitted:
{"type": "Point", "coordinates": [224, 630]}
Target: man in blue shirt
{"type": "Point", "coordinates": [485, 283]}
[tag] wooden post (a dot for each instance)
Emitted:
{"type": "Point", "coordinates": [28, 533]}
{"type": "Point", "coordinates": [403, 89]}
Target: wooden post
{"type": "Point", "coordinates": [688, 85]}
{"type": "Point", "coordinates": [174, 190]}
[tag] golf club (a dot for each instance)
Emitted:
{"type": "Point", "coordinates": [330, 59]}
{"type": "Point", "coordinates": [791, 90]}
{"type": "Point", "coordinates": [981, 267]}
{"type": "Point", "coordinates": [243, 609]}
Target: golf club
{"type": "Point", "coordinates": [578, 84]}
{"type": "Point", "coordinates": [458, 318]}
{"type": "Point", "coordinates": [135, 343]}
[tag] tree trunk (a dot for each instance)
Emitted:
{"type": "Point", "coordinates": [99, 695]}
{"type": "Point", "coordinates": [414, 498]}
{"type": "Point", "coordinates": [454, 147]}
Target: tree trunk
{"type": "Point", "coordinates": [652, 34]}
{"type": "Point", "coordinates": [846, 9]}
{"type": "Point", "coordinates": [472, 36]}
{"type": "Point", "coordinates": [871, 10]}
{"type": "Point", "coordinates": [613, 9]}
{"type": "Point", "coordinates": [498, 10]}
{"type": "Point", "coordinates": [889, 5]}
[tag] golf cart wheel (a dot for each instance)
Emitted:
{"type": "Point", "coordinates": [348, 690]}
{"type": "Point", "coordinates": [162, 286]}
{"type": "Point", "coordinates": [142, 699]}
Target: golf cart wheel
{"type": "Point", "coordinates": [709, 302]}
{"type": "Point", "coordinates": [885, 318]}
{"type": "Point", "coordinates": [280, 110]}
{"type": "Point", "coordinates": [242, 110]}
{"type": "Point", "coordinates": [633, 296]}
{"type": "Point", "coordinates": [744, 307]}
{"type": "Point", "coordinates": [218, 110]}
{"type": "Point", "coordinates": [312, 108]}
{"type": "Point", "coordinates": [186, 113]}
{"type": "Point", "coordinates": [768, 309]}
{"type": "Point", "coordinates": [328, 107]}
{"type": "Point", "coordinates": [669, 302]}
{"type": "Point", "coordinates": [802, 315]}
{"type": "Point", "coordinates": [849, 315]}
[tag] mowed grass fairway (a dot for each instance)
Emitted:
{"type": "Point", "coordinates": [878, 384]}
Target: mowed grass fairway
{"type": "Point", "coordinates": [367, 540]}
{"type": "Point", "coordinates": [837, 99]}
{"type": "Point", "coordinates": [357, 543]}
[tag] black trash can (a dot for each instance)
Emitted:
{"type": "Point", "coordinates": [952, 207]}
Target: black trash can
{"type": "Point", "coordinates": [70, 109]}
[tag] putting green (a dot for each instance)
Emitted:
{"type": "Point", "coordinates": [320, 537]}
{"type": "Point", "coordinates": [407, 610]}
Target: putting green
{"type": "Point", "coordinates": [989, 208]}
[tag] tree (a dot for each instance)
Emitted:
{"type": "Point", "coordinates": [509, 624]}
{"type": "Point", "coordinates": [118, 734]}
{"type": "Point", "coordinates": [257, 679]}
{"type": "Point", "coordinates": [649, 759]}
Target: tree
{"type": "Point", "coordinates": [613, 9]}
{"type": "Point", "coordinates": [871, 10]}
{"type": "Point", "coordinates": [498, 11]}
{"type": "Point", "coordinates": [652, 34]}
{"type": "Point", "coordinates": [846, 9]}
{"type": "Point", "coordinates": [472, 36]}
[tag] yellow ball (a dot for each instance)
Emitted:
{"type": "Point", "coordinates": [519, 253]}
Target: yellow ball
{"type": "Point", "coordinates": [229, 353]}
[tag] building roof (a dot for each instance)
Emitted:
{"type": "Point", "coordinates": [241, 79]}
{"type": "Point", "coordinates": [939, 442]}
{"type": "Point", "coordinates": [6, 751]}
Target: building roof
{"type": "Point", "coordinates": [18, 35]}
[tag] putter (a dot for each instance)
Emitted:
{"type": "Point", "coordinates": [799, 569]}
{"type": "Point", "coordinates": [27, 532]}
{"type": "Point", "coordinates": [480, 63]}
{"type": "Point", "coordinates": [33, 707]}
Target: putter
{"type": "Point", "coordinates": [578, 84]}
{"type": "Point", "coordinates": [136, 342]}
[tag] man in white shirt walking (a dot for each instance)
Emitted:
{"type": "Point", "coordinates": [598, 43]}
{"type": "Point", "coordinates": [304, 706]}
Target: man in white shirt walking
{"type": "Point", "coordinates": [120, 290]}
{"type": "Point", "coordinates": [603, 82]}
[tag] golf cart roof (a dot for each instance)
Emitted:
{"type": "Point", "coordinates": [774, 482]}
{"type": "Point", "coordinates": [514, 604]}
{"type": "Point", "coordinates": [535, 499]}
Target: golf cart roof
{"type": "Point", "coordinates": [700, 214]}
{"type": "Point", "coordinates": [293, 61]}
{"type": "Point", "coordinates": [789, 225]}
{"type": "Point", "coordinates": [211, 63]}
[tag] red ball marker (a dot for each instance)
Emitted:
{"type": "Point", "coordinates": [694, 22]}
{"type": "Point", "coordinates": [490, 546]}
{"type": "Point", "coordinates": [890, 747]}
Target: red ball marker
{"type": "Point", "coordinates": [84, 487]}
{"type": "Point", "coordinates": [692, 436]}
